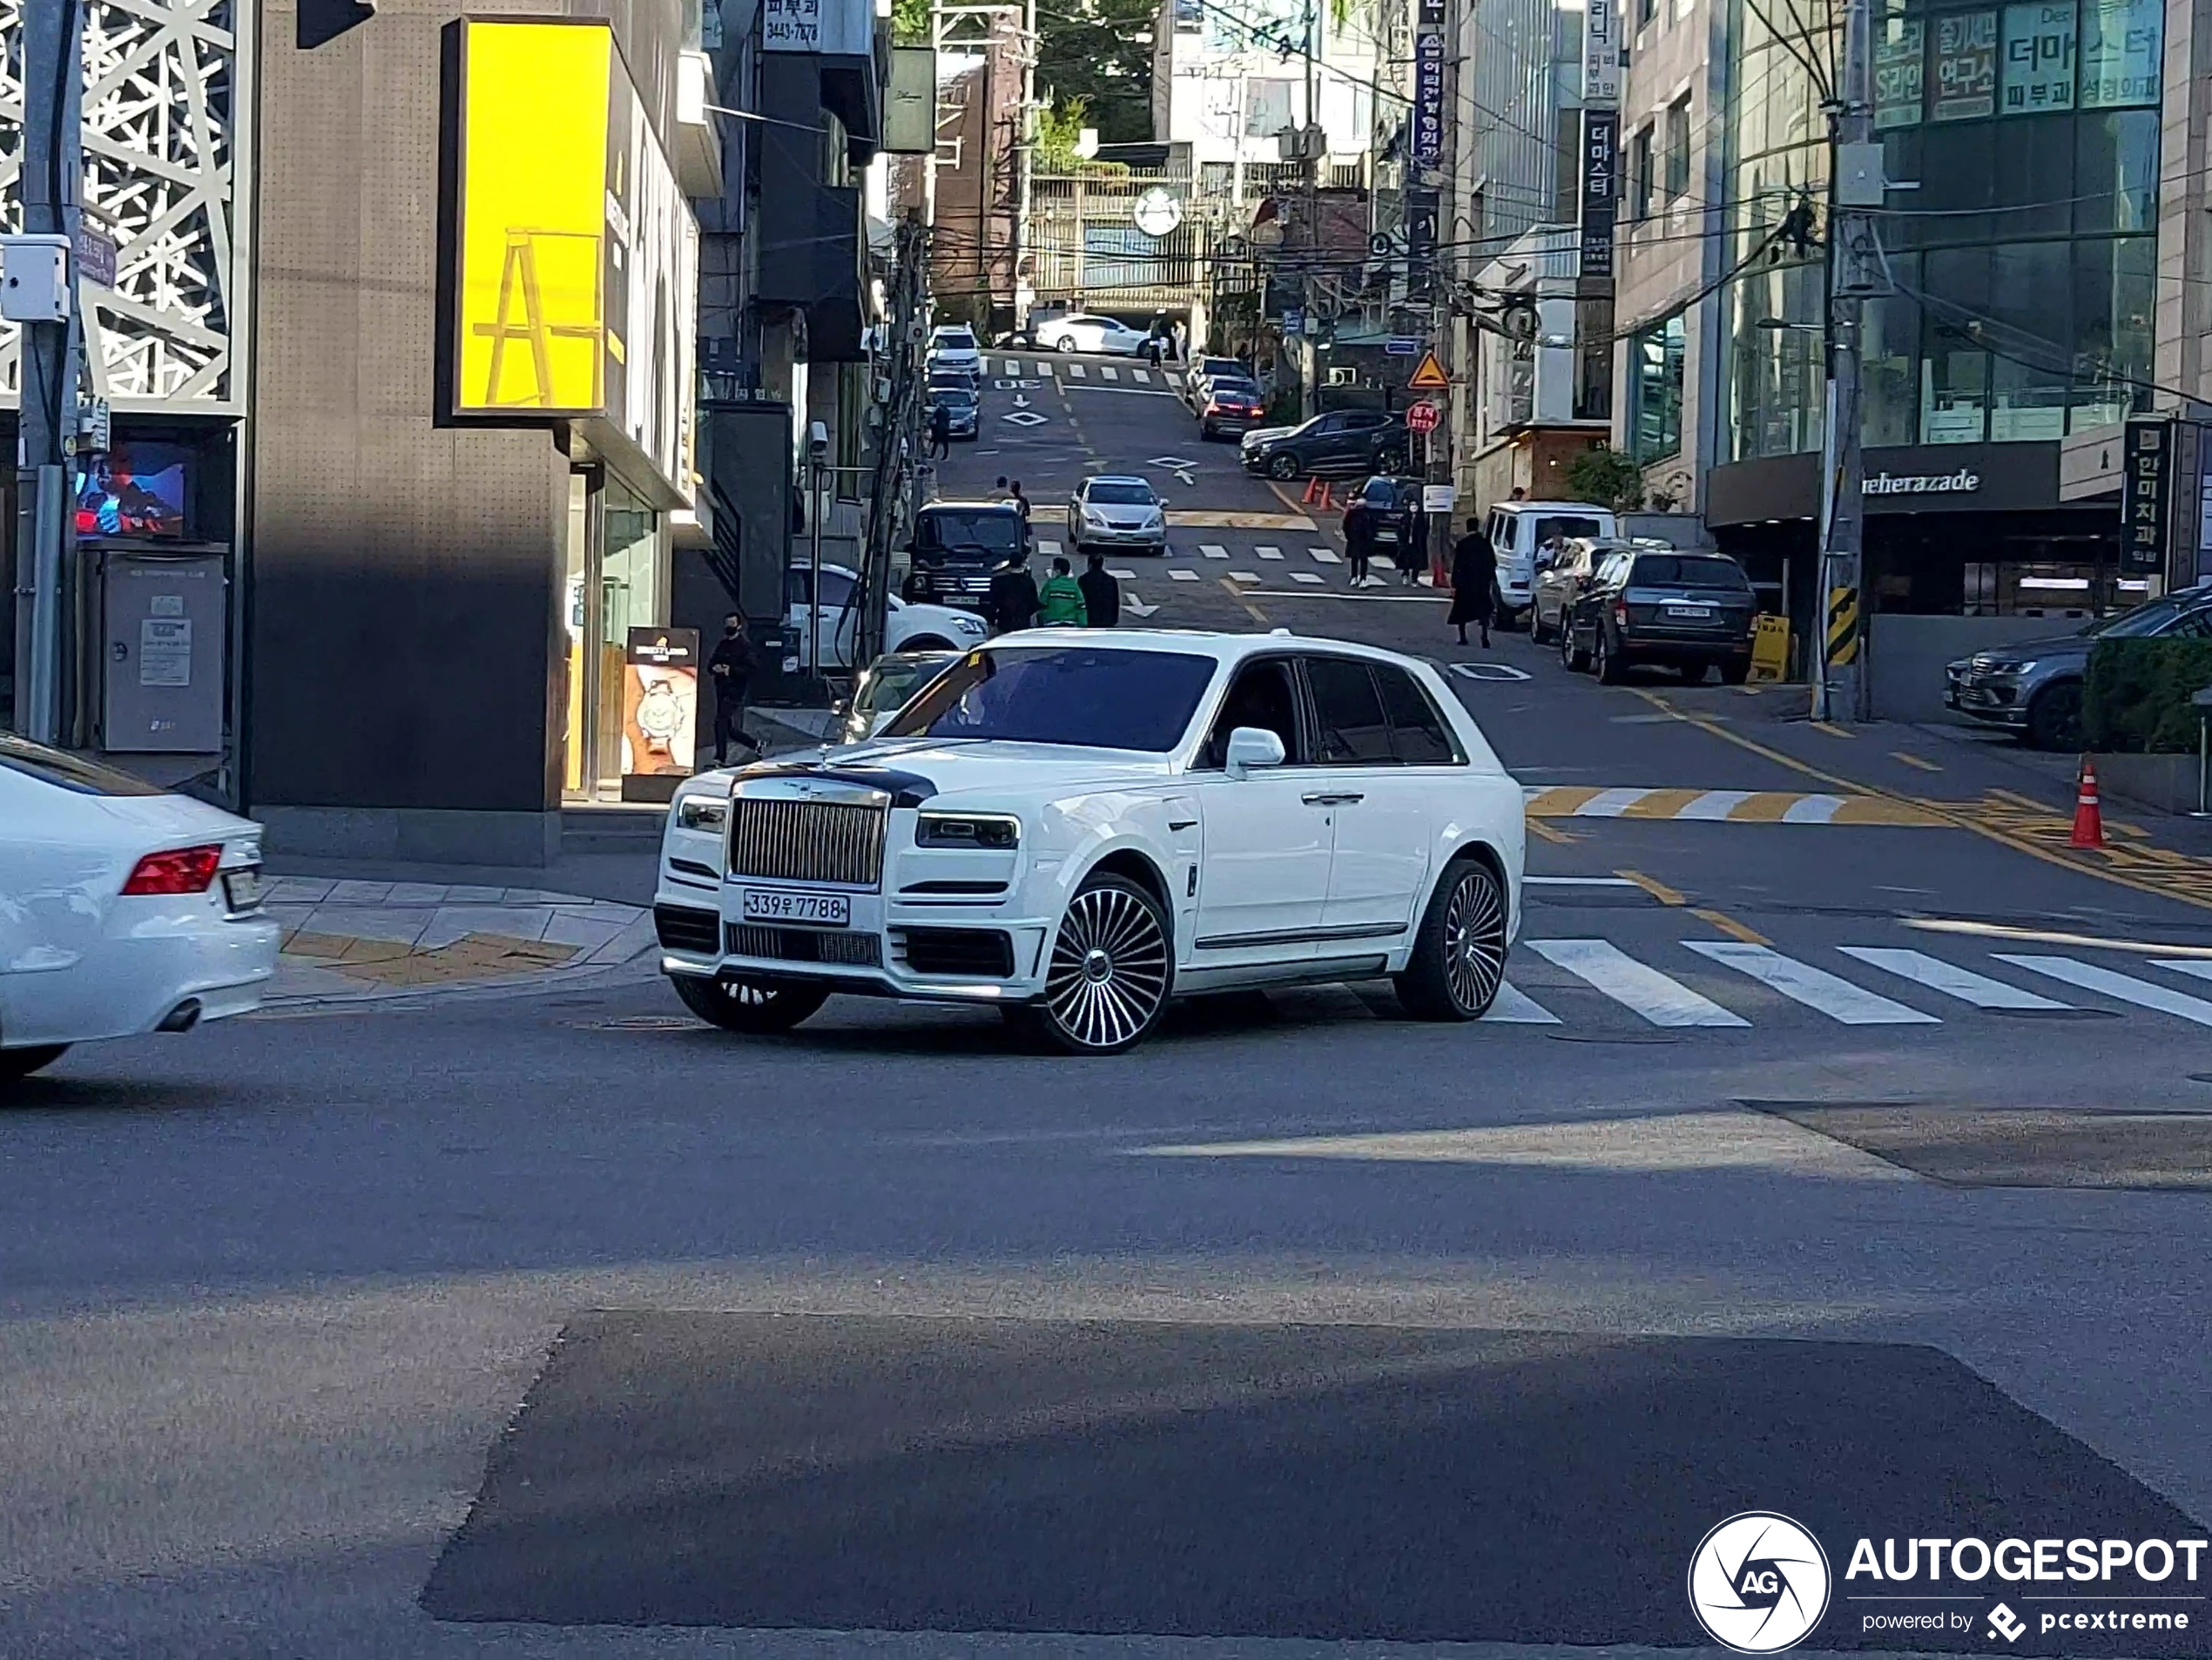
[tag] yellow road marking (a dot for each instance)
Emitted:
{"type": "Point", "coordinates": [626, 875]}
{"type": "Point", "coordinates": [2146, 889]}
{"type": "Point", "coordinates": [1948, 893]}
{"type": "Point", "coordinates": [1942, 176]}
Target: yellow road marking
{"type": "Point", "coordinates": [1730, 926]}
{"type": "Point", "coordinates": [1962, 816]}
{"type": "Point", "coordinates": [2019, 801]}
{"type": "Point", "coordinates": [1832, 731]}
{"type": "Point", "coordinates": [1910, 759]}
{"type": "Point", "coordinates": [1766, 807]}
{"type": "Point", "coordinates": [1661, 803]}
{"type": "Point", "coordinates": [1876, 809]}
{"type": "Point", "coordinates": [1237, 594]}
{"type": "Point", "coordinates": [1653, 887]}
{"type": "Point", "coordinates": [1537, 826]}
{"type": "Point", "coordinates": [1560, 803]}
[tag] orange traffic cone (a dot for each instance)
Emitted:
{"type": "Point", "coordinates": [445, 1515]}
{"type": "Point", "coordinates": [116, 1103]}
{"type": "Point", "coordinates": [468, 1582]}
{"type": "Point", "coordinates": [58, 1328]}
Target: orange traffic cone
{"type": "Point", "coordinates": [1328, 498]}
{"type": "Point", "coordinates": [2088, 813]}
{"type": "Point", "coordinates": [1312, 492]}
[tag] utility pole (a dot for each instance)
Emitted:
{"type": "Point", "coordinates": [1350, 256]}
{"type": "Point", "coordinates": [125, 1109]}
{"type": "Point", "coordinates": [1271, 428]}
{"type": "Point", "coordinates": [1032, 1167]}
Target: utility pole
{"type": "Point", "coordinates": [1027, 168]}
{"type": "Point", "coordinates": [1854, 271]}
{"type": "Point", "coordinates": [1310, 157]}
{"type": "Point", "coordinates": [897, 473]}
{"type": "Point", "coordinates": [53, 176]}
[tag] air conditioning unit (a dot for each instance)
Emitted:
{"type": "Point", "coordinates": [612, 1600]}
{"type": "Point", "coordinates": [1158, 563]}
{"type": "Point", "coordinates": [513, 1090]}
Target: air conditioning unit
{"type": "Point", "coordinates": [1344, 377]}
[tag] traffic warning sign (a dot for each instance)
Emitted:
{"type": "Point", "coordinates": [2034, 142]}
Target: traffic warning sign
{"type": "Point", "coordinates": [1430, 376]}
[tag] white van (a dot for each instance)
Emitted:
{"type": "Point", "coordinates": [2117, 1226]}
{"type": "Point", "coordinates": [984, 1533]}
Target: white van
{"type": "Point", "coordinates": [1518, 529]}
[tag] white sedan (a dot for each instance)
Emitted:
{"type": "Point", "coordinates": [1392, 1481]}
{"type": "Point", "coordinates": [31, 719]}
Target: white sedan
{"type": "Point", "coordinates": [1113, 511]}
{"type": "Point", "coordinates": [1082, 332]}
{"type": "Point", "coordinates": [123, 909]}
{"type": "Point", "coordinates": [1076, 829]}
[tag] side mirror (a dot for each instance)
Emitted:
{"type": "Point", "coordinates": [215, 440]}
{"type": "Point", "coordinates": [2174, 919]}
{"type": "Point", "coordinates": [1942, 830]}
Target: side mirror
{"type": "Point", "coordinates": [1251, 747]}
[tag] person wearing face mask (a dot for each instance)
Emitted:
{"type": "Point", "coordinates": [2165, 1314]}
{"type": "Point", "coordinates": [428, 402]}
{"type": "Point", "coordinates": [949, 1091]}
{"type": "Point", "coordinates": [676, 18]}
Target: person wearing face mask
{"type": "Point", "coordinates": [730, 666]}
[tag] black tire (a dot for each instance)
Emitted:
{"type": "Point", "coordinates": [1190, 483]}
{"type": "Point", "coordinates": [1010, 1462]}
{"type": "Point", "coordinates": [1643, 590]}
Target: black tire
{"type": "Point", "coordinates": [1065, 343]}
{"type": "Point", "coordinates": [1604, 660]}
{"type": "Point", "coordinates": [1693, 674]}
{"type": "Point", "coordinates": [1459, 959]}
{"type": "Point", "coordinates": [1111, 969]}
{"type": "Point", "coordinates": [1538, 634]}
{"type": "Point", "coordinates": [2055, 719]}
{"type": "Point", "coordinates": [757, 1008]}
{"type": "Point", "coordinates": [1283, 467]}
{"type": "Point", "coordinates": [928, 643]}
{"type": "Point", "coordinates": [16, 1063]}
{"type": "Point", "coordinates": [1735, 670]}
{"type": "Point", "coordinates": [1572, 657]}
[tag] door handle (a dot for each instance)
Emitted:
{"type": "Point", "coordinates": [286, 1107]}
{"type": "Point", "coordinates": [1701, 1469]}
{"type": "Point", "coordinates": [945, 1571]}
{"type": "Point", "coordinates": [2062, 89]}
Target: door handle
{"type": "Point", "coordinates": [1332, 798]}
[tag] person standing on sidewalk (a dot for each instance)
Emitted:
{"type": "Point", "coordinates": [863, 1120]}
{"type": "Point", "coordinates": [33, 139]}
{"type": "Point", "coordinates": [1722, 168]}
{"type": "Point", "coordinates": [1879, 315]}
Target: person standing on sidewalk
{"type": "Point", "coordinates": [1060, 602]}
{"type": "Point", "coordinates": [1474, 582]}
{"type": "Point", "coordinates": [729, 667]}
{"type": "Point", "coordinates": [1101, 594]}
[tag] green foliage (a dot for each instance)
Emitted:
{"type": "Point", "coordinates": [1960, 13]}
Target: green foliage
{"type": "Point", "coordinates": [910, 23]}
{"type": "Point", "coordinates": [1609, 477]}
{"type": "Point", "coordinates": [1060, 128]}
{"type": "Point", "coordinates": [2135, 695]}
{"type": "Point", "coordinates": [1098, 53]}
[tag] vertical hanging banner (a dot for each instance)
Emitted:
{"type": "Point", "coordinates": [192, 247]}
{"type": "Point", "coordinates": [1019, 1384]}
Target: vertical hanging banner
{"type": "Point", "coordinates": [1428, 98]}
{"type": "Point", "coordinates": [1602, 53]}
{"type": "Point", "coordinates": [1601, 189]}
{"type": "Point", "coordinates": [2145, 479]}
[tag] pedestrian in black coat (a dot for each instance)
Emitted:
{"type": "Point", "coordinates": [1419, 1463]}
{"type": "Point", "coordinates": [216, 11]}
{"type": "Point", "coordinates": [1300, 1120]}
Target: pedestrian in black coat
{"type": "Point", "coordinates": [1101, 594]}
{"type": "Point", "coordinates": [1014, 596]}
{"type": "Point", "coordinates": [1474, 582]}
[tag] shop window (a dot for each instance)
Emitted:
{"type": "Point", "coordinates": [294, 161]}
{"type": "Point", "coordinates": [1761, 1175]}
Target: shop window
{"type": "Point", "coordinates": [1677, 178]}
{"type": "Point", "coordinates": [2028, 302]}
{"type": "Point", "coordinates": [2114, 289]}
{"type": "Point", "coordinates": [1954, 368]}
{"type": "Point", "coordinates": [1892, 335]}
{"type": "Point", "coordinates": [1640, 173]}
{"type": "Point", "coordinates": [2121, 41]}
{"type": "Point", "coordinates": [2039, 58]}
{"type": "Point", "coordinates": [2034, 177]}
{"type": "Point", "coordinates": [1655, 357]}
{"type": "Point", "coordinates": [1593, 360]}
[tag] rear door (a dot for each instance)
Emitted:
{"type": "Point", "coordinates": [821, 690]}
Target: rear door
{"type": "Point", "coordinates": [1379, 814]}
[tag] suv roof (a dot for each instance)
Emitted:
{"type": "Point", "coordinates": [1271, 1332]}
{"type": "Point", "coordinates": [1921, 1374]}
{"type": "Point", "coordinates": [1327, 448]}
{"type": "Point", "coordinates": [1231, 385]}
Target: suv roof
{"type": "Point", "coordinates": [970, 507]}
{"type": "Point", "coordinates": [1550, 507]}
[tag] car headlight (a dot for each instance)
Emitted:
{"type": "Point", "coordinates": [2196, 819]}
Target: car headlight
{"type": "Point", "coordinates": [1092, 515]}
{"type": "Point", "coordinates": [968, 625]}
{"type": "Point", "coordinates": [701, 812]}
{"type": "Point", "coordinates": [2017, 668]}
{"type": "Point", "coordinates": [995, 832]}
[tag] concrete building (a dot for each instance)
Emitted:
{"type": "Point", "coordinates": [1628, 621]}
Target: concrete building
{"type": "Point", "coordinates": [1229, 82]}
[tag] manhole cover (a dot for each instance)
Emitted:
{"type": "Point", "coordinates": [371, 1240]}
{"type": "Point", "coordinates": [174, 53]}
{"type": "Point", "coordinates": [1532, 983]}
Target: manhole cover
{"type": "Point", "coordinates": [642, 1023]}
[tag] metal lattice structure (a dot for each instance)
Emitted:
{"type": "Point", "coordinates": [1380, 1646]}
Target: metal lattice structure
{"type": "Point", "coordinates": [162, 148]}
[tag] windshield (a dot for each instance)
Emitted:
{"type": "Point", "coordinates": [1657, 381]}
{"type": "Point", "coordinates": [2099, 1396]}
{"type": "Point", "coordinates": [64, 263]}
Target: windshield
{"type": "Point", "coordinates": [958, 339]}
{"type": "Point", "coordinates": [1095, 697]}
{"type": "Point", "coordinates": [888, 686]}
{"type": "Point", "coordinates": [1566, 525]}
{"type": "Point", "coordinates": [955, 397]}
{"type": "Point", "coordinates": [51, 766]}
{"type": "Point", "coordinates": [2147, 618]}
{"type": "Point", "coordinates": [1122, 495]}
{"type": "Point", "coordinates": [1689, 570]}
{"type": "Point", "coordinates": [992, 532]}
{"type": "Point", "coordinates": [1222, 366]}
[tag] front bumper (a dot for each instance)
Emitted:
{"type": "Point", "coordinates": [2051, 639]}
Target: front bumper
{"type": "Point", "coordinates": [1994, 697]}
{"type": "Point", "coordinates": [1108, 535]}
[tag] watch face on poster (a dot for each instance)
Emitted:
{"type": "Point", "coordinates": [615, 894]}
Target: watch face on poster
{"type": "Point", "coordinates": [132, 490]}
{"type": "Point", "coordinates": [660, 701]}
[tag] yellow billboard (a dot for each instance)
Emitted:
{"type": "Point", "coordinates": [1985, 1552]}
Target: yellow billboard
{"type": "Point", "coordinates": [531, 295]}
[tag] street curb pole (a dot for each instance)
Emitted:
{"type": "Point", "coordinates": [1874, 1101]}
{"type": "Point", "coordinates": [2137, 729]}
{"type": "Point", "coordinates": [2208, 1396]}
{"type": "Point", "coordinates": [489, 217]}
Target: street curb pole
{"type": "Point", "coordinates": [1854, 271]}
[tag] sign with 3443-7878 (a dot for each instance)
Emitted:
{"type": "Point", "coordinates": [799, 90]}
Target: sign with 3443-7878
{"type": "Point", "coordinates": [837, 27]}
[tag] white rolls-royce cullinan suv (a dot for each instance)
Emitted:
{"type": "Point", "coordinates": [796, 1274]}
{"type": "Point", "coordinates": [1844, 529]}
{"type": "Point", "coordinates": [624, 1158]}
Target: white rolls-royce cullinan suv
{"type": "Point", "coordinates": [1078, 825]}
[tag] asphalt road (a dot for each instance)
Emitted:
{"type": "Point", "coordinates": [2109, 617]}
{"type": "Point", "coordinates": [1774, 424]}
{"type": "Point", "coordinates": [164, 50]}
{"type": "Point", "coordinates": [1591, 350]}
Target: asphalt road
{"type": "Point", "coordinates": [1855, 1170]}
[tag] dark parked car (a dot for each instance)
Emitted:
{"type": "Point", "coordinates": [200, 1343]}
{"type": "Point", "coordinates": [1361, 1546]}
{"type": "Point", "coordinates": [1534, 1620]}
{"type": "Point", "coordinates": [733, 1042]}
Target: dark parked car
{"type": "Point", "coordinates": [961, 406]}
{"type": "Point", "coordinates": [1692, 610]}
{"type": "Point", "coordinates": [1227, 404]}
{"type": "Point", "coordinates": [2033, 687]}
{"type": "Point", "coordinates": [1340, 442]}
{"type": "Point", "coordinates": [960, 544]}
{"type": "Point", "coordinates": [1559, 581]}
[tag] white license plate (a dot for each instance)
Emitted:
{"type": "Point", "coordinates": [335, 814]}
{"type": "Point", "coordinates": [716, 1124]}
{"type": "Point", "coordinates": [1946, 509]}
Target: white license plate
{"type": "Point", "coordinates": [1701, 612]}
{"type": "Point", "coordinates": [814, 910]}
{"type": "Point", "coordinates": [242, 888]}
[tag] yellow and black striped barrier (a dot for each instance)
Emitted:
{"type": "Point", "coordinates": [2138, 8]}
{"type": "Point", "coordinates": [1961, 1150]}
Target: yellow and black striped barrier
{"type": "Point", "coordinates": [1842, 625]}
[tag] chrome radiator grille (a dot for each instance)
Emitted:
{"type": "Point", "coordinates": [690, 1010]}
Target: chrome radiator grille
{"type": "Point", "coordinates": [806, 841]}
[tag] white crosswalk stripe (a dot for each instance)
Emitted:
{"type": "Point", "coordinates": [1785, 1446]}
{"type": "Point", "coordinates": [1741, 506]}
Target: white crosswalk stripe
{"type": "Point", "coordinates": [1177, 574]}
{"type": "Point", "coordinates": [1515, 1008]}
{"type": "Point", "coordinates": [1954, 982]}
{"type": "Point", "coordinates": [1659, 998]}
{"type": "Point", "coordinates": [1714, 803]}
{"type": "Point", "coordinates": [1011, 369]}
{"type": "Point", "coordinates": [1108, 372]}
{"type": "Point", "coordinates": [1042, 371]}
{"type": "Point", "coordinates": [1267, 552]}
{"type": "Point", "coordinates": [1142, 377]}
{"type": "Point", "coordinates": [1075, 371]}
{"type": "Point", "coordinates": [1048, 547]}
{"type": "Point", "coordinates": [1213, 551]}
{"type": "Point", "coordinates": [1243, 576]}
{"type": "Point", "coordinates": [1307, 578]}
{"type": "Point", "coordinates": [1815, 988]}
{"type": "Point", "coordinates": [2125, 988]}
{"type": "Point", "coordinates": [1325, 556]}
{"type": "Point", "coordinates": [1121, 573]}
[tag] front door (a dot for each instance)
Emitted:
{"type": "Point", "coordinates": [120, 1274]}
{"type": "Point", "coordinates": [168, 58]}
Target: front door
{"type": "Point", "coordinates": [1265, 876]}
{"type": "Point", "coordinates": [1380, 850]}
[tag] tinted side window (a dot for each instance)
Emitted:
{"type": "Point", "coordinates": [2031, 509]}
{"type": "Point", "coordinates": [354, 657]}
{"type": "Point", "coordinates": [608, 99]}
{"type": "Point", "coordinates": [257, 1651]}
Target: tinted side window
{"type": "Point", "coordinates": [1262, 695]}
{"type": "Point", "coordinates": [795, 586]}
{"type": "Point", "coordinates": [1353, 731]}
{"type": "Point", "coordinates": [1416, 729]}
{"type": "Point", "coordinates": [837, 588]}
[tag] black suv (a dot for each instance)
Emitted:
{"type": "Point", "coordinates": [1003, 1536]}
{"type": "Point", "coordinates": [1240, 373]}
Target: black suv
{"type": "Point", "coordinates": [960, 544]}
{"type": "Point", "coordinates": [1647, 605]}
{"type": "Point", "coordinates": [1341, 441]}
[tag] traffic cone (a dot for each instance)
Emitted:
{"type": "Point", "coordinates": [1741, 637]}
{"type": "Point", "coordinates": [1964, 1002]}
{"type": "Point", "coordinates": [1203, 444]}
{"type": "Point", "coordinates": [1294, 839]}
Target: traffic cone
{"type": "Point", "coordinates": [1312, 492]}
{"type": "Point", "coordinates": [2088, 814]}
{"type": "Point", "coordinates": [1328, 498]}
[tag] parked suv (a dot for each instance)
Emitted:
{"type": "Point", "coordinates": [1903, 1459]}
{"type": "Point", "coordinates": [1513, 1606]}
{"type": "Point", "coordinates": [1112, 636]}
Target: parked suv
{"type": "Point", "coordinates": [2033, 687]}
{"type": "Point", "coordinates": [1692, 610]}
{"type": "Point", "coordinates": [1519, 529]}
{"type": "Point", "coordinates": [1340, 442]}
{"type": "Point", "coordinates": [960, 544]}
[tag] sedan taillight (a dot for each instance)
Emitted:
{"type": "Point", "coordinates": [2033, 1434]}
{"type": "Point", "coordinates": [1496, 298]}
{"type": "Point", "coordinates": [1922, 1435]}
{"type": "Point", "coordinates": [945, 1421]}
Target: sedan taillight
{"type": "Point", "coordinates": [1620, 612]}
{"type": "Point", "coordinates": [180, 870]}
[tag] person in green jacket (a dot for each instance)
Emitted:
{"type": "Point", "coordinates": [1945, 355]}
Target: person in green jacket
{"type": "Point", "coordinates": [1060, 602]}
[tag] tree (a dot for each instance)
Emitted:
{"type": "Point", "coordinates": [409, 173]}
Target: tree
{"type": "Point", "coordinates": [1099, 53]}
{"type": "Point", "coordinates": [910, 23]}
{"type": "Point", "coordinates": [1606, 476]}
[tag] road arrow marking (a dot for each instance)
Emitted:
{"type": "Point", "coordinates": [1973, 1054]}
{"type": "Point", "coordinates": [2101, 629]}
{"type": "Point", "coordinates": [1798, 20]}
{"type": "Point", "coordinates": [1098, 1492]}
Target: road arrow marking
{"type": "Point", "coordinates": [1137, 607]}
{"type": "Point", "coordinates": [1020, 401]}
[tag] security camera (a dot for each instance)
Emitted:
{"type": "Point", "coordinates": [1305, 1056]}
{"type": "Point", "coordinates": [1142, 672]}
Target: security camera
{"type": "Point", "coordinates": [816, 439]}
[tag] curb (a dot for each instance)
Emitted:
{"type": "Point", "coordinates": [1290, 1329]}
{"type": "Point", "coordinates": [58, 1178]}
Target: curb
{"type": "Point", "coordinates": [613, 962]}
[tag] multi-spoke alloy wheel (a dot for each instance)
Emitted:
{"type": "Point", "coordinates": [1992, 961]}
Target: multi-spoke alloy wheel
{"type": "Point", "coordinates": [1459, 959]}
{"type": "Point", "coordinates": [1110, 968]}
